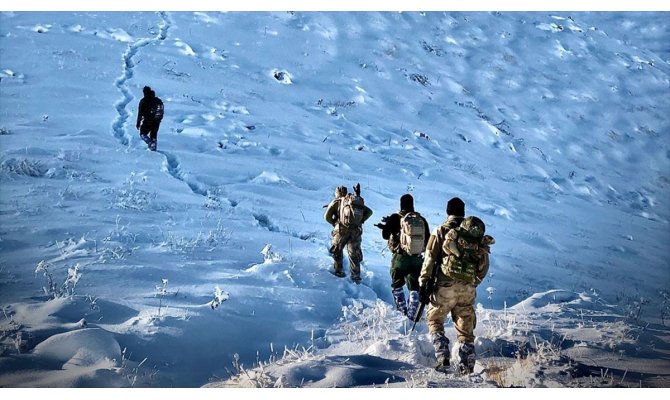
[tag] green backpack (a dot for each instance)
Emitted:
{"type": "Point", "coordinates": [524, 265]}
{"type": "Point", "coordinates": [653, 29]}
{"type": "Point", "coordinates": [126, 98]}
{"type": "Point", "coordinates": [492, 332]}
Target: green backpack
{"type": "Point", "coordinates": [462, 247]}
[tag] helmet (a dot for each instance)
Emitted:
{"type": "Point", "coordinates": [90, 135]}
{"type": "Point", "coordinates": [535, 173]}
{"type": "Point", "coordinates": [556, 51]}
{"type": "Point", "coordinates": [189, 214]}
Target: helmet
{"type": "Point", "coordinates": [474, 226]}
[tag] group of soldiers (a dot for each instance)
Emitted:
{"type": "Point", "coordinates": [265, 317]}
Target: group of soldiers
{"type": "Point", "coordinates": [442, 268]}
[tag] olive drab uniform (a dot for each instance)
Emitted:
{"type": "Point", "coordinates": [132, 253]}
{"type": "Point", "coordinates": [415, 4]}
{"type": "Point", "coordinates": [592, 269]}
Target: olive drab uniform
{"type": "Point", "coordinates": [461, 267]}
{"type": "Point", "coordinates": [400, 229]}
{"type": "Point", "coordinates": [346, 234]}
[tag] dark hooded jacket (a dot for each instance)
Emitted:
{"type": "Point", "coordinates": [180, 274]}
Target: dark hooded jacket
{"type": "Point", "coordinates": [144, 109]}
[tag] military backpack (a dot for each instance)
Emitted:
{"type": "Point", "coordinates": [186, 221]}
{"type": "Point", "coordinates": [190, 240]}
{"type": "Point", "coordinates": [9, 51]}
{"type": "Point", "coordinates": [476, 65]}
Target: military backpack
{"type": "Point", "coordinates": [412, 234]}
{"type": "Point", "coordinates": [462, 247]}
{"type": "Point", "coordinates": [156, 110]}
{"type": "Point", "coordinates": [352, 210]}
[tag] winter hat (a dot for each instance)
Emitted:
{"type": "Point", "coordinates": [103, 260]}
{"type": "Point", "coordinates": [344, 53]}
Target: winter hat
{"type": "Point", "coordinates": [340, 191]}
{"type": "Point", "coordinates": [407, 202]}
{"type": "Point", "coordinates": [456, 207]}
{"type": "Point", "coordinates": [146, 90]}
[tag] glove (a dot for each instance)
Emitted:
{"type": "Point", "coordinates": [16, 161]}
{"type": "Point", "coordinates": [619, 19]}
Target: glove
{"type": "Point", "coordinates": [424, 295]}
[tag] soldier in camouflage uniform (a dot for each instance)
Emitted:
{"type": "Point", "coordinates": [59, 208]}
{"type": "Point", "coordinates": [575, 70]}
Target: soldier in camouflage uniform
{"type": "Point", "coordinates": [349, 236]}
{"type": "Point", "coordinates": [453, 294]}
{"type": "Point", "coordinates": [405, 268]}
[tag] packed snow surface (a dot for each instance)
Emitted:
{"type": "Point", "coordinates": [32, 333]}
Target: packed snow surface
{"type": "Point", "coordinates": [206, 262]}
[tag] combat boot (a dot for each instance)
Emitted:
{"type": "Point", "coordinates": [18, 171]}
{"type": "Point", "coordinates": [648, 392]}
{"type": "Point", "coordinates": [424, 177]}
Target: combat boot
{"type": "Point", "coordinates": [441, 345]}
{"type": "Point", "coordinates": [413, 305]}
{"type": "Point", "coordinates": [399, 298]}
{"type": "Point", "coordinates": [466, 358]}
{"type": "Point", "coordinates": [338, 273]}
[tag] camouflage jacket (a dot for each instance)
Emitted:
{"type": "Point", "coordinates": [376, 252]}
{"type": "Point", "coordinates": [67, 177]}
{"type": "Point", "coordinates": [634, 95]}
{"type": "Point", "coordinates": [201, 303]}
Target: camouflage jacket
{"type": "Point", "coordinates": [434, 255]}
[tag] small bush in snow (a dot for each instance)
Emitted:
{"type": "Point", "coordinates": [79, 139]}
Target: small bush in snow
{"type": "Point", "coordinates": [219, 298]}
{"type": "Point", "coordinates": [73, 276]}
{"type": "Point", "coordinates": [54, 291]}
{"type": "Point", "coordinates": [212, 202]}
{"type": "Point", "coordinates": [362, 322]}
{"type": "Point", "coordinates": [161, 292]}
{"type": "Point", "coordinates": [270, 256]}
{"type": "Point", "coordinates": [23, 167]}
{"type": "Point", "coordinates": [129, 196]}
{"type": "Point", "coordinates": [204, 240]}
{"type": "Point", "coordinates": [119, 242]}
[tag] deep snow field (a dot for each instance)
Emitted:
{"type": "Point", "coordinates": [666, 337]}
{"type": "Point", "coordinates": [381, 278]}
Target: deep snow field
{"type": "Point", "coordinates": [206, 263]}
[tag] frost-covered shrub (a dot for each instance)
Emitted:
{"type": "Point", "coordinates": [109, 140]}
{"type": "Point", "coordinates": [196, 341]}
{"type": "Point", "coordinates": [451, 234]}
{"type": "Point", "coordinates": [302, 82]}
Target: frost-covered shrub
{"type": "Point", "coordinates": [270, 256]}
{"type": "Point", "coordinates": [23, 167]}
{"type": "Point", "coordinates": [212, 202]}
{"type": "Point", "coordinates": [203, 240]}
{"type": "Point", "coordinates": [129, 196]}
{"type": "Point", "coordinates": [161, 292]}
{"type": "Point", "coordinates": [119, 243]}
{"type": "Point", "coordinates": [52, 289]}
{"type": "Point", "coordinates": [363, 322]}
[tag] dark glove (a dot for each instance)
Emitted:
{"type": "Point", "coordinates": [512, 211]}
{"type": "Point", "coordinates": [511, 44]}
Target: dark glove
{"type": "Point", "coordinates": [424, 295]}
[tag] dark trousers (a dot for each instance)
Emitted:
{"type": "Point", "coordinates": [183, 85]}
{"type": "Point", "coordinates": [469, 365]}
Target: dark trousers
{"type": "Point", "coordinates": [406, 269]}
{"type": "Point", "coordinates": [150, 129]}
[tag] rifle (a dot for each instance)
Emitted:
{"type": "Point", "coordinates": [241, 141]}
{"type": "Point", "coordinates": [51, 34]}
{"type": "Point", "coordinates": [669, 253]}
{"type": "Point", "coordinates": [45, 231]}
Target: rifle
{"type": "Point", "coordinates": [424, 296]}
{"type": "Point", "coordinates": [382, 225]}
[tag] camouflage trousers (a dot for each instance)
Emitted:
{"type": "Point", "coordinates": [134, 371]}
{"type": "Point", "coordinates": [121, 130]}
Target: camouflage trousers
{"type": "Point", "coordinates": [351, 238]}
{"type": "Point", "coordinates": [458, 298]}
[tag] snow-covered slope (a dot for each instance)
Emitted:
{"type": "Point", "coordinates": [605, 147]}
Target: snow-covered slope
{"type": "Point", "coordinates": [209, 256]}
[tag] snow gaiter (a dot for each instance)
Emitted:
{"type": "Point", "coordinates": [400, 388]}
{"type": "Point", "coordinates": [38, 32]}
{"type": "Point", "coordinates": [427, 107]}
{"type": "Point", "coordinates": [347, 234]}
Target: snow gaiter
{"type": "Point", "coordinates": [466, 358]}
{"type": "Point", "coordinates": [413, 305]}
{"type": "Point", "coordinates": [399, 298]}
{"type": "Point", "coordinates": [441, 345]}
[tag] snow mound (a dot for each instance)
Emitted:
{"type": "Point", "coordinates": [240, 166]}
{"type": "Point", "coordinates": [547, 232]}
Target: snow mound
{"type": "Point", "coordinates": [81, 348]}
{"type": "Point", "coordinates": [269, 177]}
{"type": "Point", "coordinates": [549, 298]}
